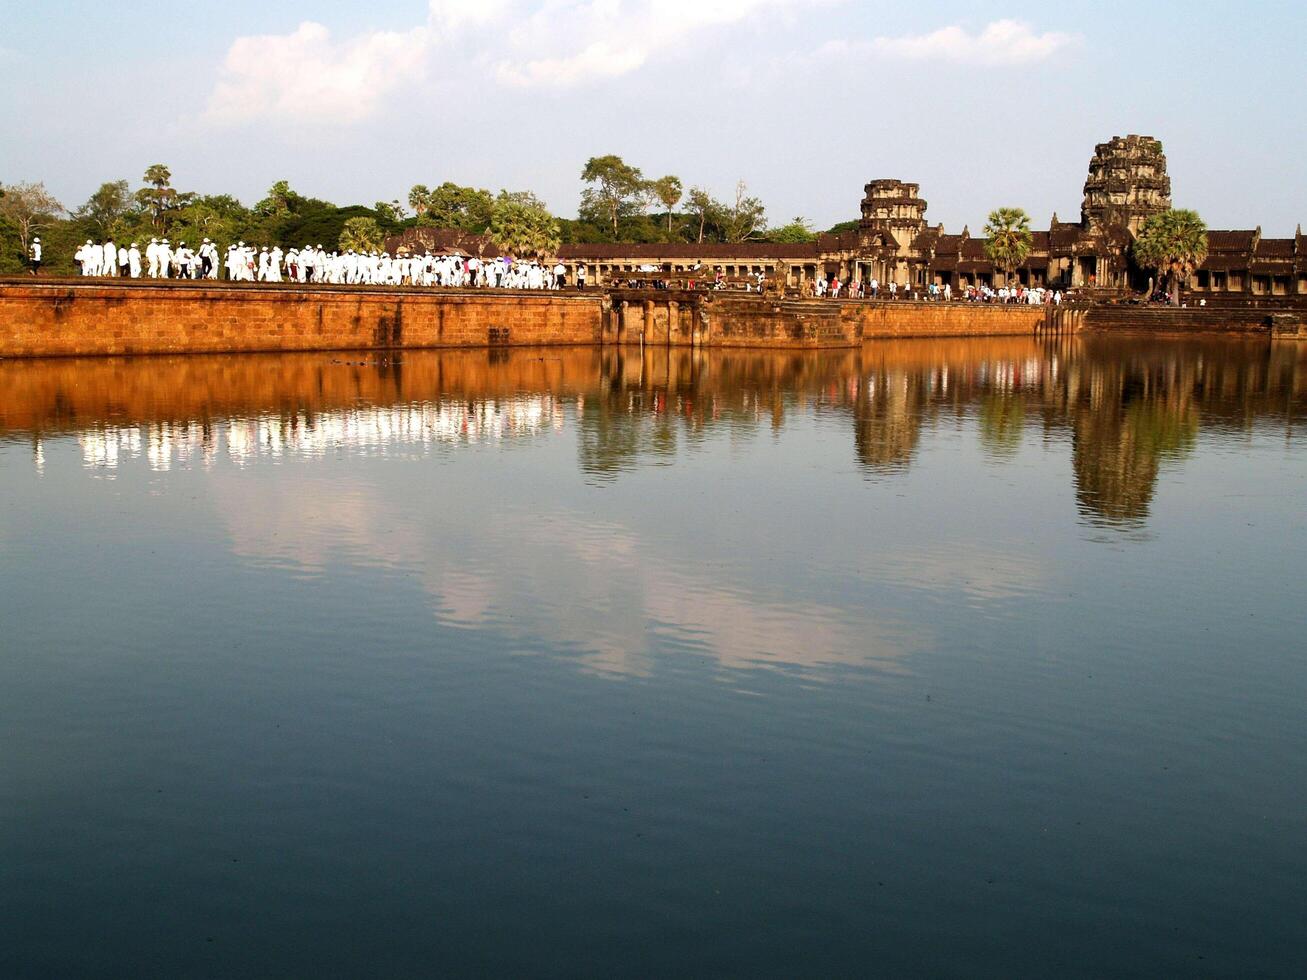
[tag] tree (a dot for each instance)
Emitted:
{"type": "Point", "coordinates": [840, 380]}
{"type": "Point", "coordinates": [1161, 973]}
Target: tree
{"type": "Point", "coordinates": [521, 227]}
{"type": "Point", "coordinates": [668, 191]}
{"type": "Point", "coordinates": [1175, 244]}
{"type": "Point", "coordinates": [453, 206]}
{"type": "Point", "coordinates": [104, 210]}
{"type": "Point", "coordinates": [617, 190]}
{"type": "Point", "coordinates": [797, 232]}
{"type": "Point", "coordinates": [704, 207]}
{"type": "Point", "coordinates": [160, 199]}
{"type": "Point", "coordinates": [419, 199]}
{"type": "Point", "coordinates": [1009, 240]}
{"type": "Point", "coordinates": [391, 212]}
{"type": "Point", "coordinates": [746, 219]}
{"type": "Point", "coordinates": [30, 207]}
{"type": "Point", "coordinates": [361, 235]}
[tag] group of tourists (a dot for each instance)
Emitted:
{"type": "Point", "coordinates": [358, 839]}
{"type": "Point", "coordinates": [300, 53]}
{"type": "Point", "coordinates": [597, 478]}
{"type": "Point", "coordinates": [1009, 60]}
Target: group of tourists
{"type": "Point", "coordinates": [833, 288]}
{"type": "Point", "coordinates": [163, 259]}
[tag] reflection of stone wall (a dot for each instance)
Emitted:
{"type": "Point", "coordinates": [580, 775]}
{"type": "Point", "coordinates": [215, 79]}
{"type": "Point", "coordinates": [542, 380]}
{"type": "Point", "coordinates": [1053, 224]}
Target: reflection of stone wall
{"type": "Point", "coordinates": [63, 395]}
{"type": "Point", "coordinates": [51, 319]}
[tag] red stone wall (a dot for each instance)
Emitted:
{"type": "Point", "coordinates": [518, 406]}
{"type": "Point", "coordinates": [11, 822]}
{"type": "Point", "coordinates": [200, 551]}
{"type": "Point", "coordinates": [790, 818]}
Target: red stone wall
{"type": "Point", "coordinates": [915, 319]}
{"type": "Point", "coordinates": [70, 318]}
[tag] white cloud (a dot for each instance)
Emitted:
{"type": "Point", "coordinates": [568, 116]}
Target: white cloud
{"type": "Point", "coordinates": [307, 76]}
{"type": "Point", "coordinates": [1002, 42]}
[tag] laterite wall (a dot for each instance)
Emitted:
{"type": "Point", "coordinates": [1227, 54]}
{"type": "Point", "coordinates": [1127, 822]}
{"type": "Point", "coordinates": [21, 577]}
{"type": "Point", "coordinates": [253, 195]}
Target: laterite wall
{"type": "Point", "coordinates": [51, 319]}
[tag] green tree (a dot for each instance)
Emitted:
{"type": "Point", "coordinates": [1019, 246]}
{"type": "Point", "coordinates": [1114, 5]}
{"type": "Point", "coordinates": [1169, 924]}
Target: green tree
{"type": "Point", "coordinates": [281, 201]}
{"type": "Point", "coordinates": [705, 209]}
{"type": "Point", "coordinates": [361, 235]}
{"type": "Point", "coordinates": [160, 199]}
{"type": "Point", "coordinates": [453, 206]}
{"type": "Point", "coordinates": [1008, 238]}
{"type": "Point", "coordinates": [616, 190]}
{"type": "Point", "coordinates": [668, 191]}
{"type": "Point", "coordinates": [523, 227]}
{"type": "Point", "coordinates": [1175, 244]}
{"type": "Point", "coordinates": [30, 208]}
{"type": "Point", "coordinates": [390, 212]}
{"type": "Point", "coordinates": [105, 210]}
{"type": "Point", "coordinates": [419, 199]}
{"type": "Point", "coordinates": [797, 232]}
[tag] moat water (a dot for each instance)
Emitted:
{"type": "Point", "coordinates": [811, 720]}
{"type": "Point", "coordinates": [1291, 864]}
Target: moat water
{"type": "Point", "coordinates": [934, 658]}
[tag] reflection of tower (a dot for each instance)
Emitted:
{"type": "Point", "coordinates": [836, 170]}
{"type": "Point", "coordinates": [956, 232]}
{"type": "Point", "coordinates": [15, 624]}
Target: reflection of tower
{"type": "Point", "coordinates": [887, 420]}
{"type": "Point", "coordinates": [1127, 182]}
{"type": "Point", "coordinates": [1136, 416]}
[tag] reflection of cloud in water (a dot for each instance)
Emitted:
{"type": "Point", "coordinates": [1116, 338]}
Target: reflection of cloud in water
{"type": "Point", "coordinates": [594, 589]}
{"type": "Point", "coordinates": [977, 572]}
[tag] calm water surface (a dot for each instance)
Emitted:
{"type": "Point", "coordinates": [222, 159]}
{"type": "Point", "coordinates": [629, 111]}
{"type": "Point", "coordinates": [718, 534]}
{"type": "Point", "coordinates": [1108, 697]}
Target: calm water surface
{"type": "Point", "coordinates": [937, 658]}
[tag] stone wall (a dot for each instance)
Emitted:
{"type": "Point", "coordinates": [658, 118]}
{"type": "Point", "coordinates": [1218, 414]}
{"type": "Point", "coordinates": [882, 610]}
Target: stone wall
{"type": "Point", "coordinates": [912, 319]}
{"type": "Point", "coordinates": [69, 318]}
{"type": "Point", "coordinates": [1163, 319]}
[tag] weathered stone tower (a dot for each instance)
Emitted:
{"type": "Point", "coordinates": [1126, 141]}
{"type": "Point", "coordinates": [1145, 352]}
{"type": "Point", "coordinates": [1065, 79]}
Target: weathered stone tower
{"type": "Point", "coordinates": [893, 213]}
{"type": "Point", "coordinates": [1127, 175]}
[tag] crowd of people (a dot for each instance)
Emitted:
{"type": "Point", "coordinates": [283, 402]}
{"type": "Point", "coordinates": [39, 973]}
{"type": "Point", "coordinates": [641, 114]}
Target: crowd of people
{"type": "Point", "coordinates": [833, 288]}
{"type": "Point", "coordinates": [163, 259]}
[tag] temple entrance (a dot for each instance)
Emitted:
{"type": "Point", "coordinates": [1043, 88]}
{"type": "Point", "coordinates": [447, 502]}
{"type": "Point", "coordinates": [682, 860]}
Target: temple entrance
{"type": "Point", "coordinates": [1088, 266]}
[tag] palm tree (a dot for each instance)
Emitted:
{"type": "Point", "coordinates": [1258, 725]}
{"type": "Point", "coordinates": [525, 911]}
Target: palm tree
{"type": "Point", "coordinates": [1009, 240]}
{"type": "Point", "coordinates": [1175, 244]}
{"type": "Point", "coordinates": [361, 235]}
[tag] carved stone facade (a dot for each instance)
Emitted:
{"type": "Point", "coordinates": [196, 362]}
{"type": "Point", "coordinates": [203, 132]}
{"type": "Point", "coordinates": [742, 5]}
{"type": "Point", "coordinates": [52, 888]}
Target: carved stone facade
{"type": "Point", "coordinates": [1127, 183]}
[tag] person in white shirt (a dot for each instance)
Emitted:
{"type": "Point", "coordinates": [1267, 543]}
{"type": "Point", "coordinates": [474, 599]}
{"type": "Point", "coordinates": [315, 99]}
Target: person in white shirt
{"type": "Point", "coordinates": [34, 254]}
{"type": "Point", "coordinates": [109, 260]}
{"type": "Point", "coordinates": [134, 262]}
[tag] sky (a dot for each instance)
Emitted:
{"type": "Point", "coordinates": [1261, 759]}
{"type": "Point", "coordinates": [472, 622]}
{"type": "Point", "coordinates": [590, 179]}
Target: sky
{"type": "Point", "coordinates": [985, 104]}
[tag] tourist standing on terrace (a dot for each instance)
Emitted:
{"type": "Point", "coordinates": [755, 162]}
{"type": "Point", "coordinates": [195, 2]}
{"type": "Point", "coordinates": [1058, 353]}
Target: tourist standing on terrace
{"type": "Point", "coordinates": [34, 256]}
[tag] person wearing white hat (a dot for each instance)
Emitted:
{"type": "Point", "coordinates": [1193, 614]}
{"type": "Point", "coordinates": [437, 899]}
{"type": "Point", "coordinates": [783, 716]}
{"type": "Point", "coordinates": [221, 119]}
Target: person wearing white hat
{"type": "Point", "coordinates": [34, 254]}
{"type": "Point", "coordinates": [134, 262]}
{"type": "Point", "coordinates": [109, 261]}
{"type": "Point", "coordinates": [152, 258]}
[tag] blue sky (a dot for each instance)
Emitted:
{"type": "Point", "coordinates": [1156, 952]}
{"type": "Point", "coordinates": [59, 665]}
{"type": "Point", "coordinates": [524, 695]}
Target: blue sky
{"type": "Point", "coordinates": [984, 104]}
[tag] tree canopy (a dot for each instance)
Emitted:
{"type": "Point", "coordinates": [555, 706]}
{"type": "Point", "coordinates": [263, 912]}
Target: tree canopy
{"type": "Point", "coordinates": [1009, 239]}
{"type": "Point", "coordinates": [614, 190]}
{"type": "Point", "coordinates": [522, 226]}
{"type": "Point", "coordinates": [361, 234]}
{"type": "Point", "coordinates": [1175, 244]}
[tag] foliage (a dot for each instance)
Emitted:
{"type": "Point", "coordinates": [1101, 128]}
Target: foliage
{"type": "Point", "coordinates": [668, 191]}
{"type": "Point", "coordinates": [522, 226]}
{"type": "Point", "coordinates": [843, 227]}
{"type": "Point", "coordinates": [704, 208]}
{"type": "Point", "coordinates": [29, 208]}
{"type": "Point", "coordinates": [160, 199]}
{"type": "Point", "coordinates": [1009, 239]}
{"type": "Point", "coordinates": [452, 206]}
{"type": "Point", "coordinates": [1175, 244]}
{"type": "Point", "coordinates": [391, 212]}
{"type": "Point", "coordinates": [797, 232]}
{"type": "Point", "coordinates": [105, 212]}
{"type": "Point", "coordinates": [361, 234]}
{"type": "Point", "coordinates": [616, 190]}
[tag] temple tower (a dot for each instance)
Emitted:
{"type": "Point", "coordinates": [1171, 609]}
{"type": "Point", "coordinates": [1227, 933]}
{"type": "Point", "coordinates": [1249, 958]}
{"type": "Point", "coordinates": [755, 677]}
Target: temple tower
{"type": "Point", "coordinates": [1127, 175]}
{"type": "Point", "coordinates": [894, 208]}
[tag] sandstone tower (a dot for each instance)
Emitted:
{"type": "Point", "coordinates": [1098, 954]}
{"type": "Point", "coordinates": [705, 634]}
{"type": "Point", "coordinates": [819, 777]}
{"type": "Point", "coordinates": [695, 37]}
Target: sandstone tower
{"type": "Point", "coordinates": [1127, 175]}
{"type": "Point", "coordinates": [892, 211]}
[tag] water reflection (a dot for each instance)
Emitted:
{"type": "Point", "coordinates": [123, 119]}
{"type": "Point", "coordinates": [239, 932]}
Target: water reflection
{"type": "Point", "coordinates": [1126, 408]}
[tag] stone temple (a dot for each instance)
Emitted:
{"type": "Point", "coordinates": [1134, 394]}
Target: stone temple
{"type": "Point", "coordinates": [1126, 184]}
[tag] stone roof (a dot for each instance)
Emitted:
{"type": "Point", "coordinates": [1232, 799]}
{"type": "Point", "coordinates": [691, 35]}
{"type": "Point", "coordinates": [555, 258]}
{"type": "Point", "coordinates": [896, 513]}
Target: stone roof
{"type": "Point", "coordinates": [683, 251]}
